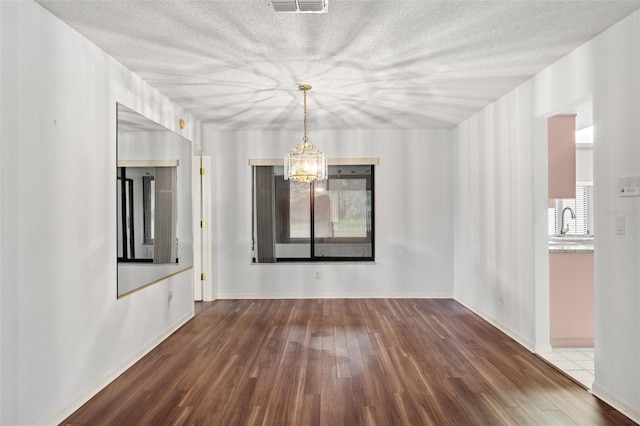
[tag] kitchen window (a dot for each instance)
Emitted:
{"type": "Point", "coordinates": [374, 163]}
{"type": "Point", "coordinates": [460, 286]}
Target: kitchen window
{"type": "Point", "coordinates": [582, 224]}
{"type": "Point", "coordinates": [329, 220]}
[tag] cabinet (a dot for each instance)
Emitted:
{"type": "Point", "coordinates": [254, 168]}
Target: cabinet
{"type": "Point", "coordinates": [571, 299]}
{"type": "Point", "coordinates": [561, 139]}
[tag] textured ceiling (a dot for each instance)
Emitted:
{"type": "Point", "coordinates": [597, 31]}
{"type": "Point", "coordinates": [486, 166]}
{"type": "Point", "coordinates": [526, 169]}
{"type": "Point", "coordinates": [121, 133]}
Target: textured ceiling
{"type": "Point", "coordinates": [373, 64]}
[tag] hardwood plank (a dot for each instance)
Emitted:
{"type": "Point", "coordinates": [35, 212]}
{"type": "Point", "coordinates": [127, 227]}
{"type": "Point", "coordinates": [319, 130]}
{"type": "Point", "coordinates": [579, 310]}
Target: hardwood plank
{"type": "Point", "coordinates": [560, 418]}
{"type": "Point", "coordinates": [521, 417]}
{"type": "Point", "coordinates": [310, 411]}
{"type": "Point", "coordinates": [341, 362]}
{"type": "Point", "coordinates": [492, 404]}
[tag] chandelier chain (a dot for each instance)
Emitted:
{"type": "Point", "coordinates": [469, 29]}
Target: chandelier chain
{"type": "Point", "coordinates": [305, 116]}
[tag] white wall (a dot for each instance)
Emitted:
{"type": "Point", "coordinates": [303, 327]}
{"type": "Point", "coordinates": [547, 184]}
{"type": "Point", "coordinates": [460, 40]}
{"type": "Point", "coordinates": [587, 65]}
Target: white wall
{"type": "Point", "coordinates": [64, 333]}
{"type": "Point", "coordinates": [616, 108]}
{"type": "Point", "coordinates": [1, 210]}
{"type": "Point", "coordinates": [500, 205]}
{"type": "Point", "coordinates": [584, 163]}
{"type": "Point", "coordinates": [493, 245]}
{"type": "Point", "coordinates": [413, 216]}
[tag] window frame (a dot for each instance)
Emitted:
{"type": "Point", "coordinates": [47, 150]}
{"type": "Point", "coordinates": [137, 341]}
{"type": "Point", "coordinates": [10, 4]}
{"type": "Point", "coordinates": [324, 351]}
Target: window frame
{"type": "Point", "coordinates": [311, 240]}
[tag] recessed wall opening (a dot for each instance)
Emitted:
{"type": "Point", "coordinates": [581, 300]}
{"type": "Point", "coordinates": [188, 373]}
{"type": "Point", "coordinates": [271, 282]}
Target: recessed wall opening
{"type": "Point", "coordinates": [571, 235]}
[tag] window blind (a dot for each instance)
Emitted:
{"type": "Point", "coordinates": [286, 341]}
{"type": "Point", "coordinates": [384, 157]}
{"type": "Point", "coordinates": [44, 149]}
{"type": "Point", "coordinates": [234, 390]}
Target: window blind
{"type": "Point", "coordinates": [579, 205]}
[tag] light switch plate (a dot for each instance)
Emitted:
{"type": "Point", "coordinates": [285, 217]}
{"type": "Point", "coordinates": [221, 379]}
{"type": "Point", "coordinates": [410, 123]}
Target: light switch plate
{"type": "Point", "coordinates": [629, 186]}
{"type": "Point", "coordinates": [620, 225]}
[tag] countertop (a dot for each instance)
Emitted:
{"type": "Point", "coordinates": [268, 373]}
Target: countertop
{"type": "Point", "coordinates": [571, 244]}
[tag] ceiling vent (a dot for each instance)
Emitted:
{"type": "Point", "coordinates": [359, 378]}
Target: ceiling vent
{"type": "Point", "coordinates": [300, 6]}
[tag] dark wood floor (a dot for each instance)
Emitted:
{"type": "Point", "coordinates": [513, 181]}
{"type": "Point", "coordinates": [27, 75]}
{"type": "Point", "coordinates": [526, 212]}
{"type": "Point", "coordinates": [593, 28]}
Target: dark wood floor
{"type": "Point", "coordinates": [342, 362]}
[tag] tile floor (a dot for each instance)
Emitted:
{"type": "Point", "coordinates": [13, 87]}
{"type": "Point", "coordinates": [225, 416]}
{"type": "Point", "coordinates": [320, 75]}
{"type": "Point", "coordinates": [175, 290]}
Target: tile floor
{"type": "Point", "coordinates": [576, 362]}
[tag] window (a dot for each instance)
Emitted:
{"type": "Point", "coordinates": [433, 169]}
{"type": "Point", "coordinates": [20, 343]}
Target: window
{"type": "Point", "coordinates": [147, 214]}
{"type": "Point", "coordinates": [329, 220]}
{"type": "Point", "coordinates": [579, 205]}
{"type": "Point", "coordinates": [148, 206]}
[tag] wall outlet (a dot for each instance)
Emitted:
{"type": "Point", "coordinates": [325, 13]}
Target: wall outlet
{"type": "Point", "coordinates": [620, 225]}
{"type": "Point", "coordinates": [170, 297]}
{"type": "Point", "coordinates": [318, 275]}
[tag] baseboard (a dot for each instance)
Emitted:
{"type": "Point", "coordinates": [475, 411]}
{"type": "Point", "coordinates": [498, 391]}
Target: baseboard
{"type": "Point", "coordinates": [616, 402]}
{"type": "Point", "coordinates": [230, 296]}
{"type": "Point", "coordinates": [528, 344]}
{"type": "Point", "coordinates": [543, 349]}
{"type": "Point", "coordinates": [59, 416]}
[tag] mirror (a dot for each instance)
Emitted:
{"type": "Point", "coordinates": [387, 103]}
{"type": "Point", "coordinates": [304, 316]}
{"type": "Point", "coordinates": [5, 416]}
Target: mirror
{"type": "Point", "coordinates": [153, 192]}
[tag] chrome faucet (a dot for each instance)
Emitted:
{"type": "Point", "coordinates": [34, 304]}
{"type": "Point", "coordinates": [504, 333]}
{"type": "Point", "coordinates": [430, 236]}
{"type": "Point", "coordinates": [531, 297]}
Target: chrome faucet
{"type": "Point", "coordinates": [564, 230]}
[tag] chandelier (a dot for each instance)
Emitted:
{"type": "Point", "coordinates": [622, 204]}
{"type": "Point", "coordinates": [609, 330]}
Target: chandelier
{"type": "Point", "coordinates": [305, 162]}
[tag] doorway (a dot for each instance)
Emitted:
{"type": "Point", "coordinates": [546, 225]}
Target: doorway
{"type": "Point", "coordinates": [564, 282]}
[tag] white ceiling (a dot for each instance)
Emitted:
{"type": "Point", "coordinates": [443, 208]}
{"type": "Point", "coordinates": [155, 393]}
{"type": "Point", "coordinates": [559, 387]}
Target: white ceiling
{"type": "Point", "coordinates": [235, 64]}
